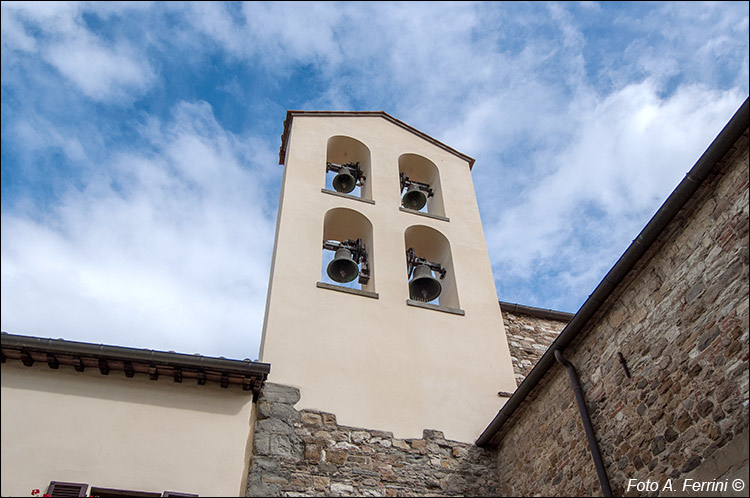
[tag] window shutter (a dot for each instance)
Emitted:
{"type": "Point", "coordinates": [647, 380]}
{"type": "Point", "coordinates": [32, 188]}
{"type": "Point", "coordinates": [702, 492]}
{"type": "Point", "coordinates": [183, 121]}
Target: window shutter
{"type": "Point", "coordinates": [58, 488]}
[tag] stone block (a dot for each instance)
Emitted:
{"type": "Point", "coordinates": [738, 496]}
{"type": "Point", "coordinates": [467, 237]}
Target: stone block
{"type": "Point", "coordinates": [335, 456]}
{"type": "Point", "coordinates": [401, 444]}
{"type": "Point", "coordinates": [327, 468]}
{"type": "Point", "coordinates": [262, 443]}
{"type": "Point", "coordinates": [382, 442]}
{"type": "Point", "coordinates": [459, 452]}
{"type": "Point", "coordinates": [285, 413]}
{"type": "Point", "coordinates": [382, 434]}
{"type": "Point", "coordinates": [432, 434]}
{"type": "Point", "coordinates": [264, 464]}
{"type": "Point", "coordinates": [311, 419]}
{"type": "Point", "coordinates": [340, 435]}
{"type": "Point", "coordinates": [320, 483]}
{"type": "Point", "coordinates": [300, 482]}
{"type": "Point", "coordinates": [273, 425]}
{"type": "Point", "coordinates": [274, 479]}
{"type": "Point", "coordinates": [360, 436]}
{"type": "Point", "coordinates": [284, 446]}
{"type": "Point", "coordinates": [670, 435]}
{"type": "Point", "coordinates": [278, 393]}
{"type": "Point", "coordinates": [255, 487]}
{"type": "Point", "coordinates": [341, 489]}
{"type": "Point", "coordinates": [313, 452]}
{"type": "Point", "coordinates": [372, 491]}
{"type": "Point", "coordinates": [343, 445]}
{"type": "Point", "coordinates": [264, 409]}
{"type": "Point", "coordinates": [658, 445]}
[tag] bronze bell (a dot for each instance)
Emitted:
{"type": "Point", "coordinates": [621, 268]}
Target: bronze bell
{"type": "Point", "coordinates": [414, 198]}
{"type": "Point", "coordinates": [342, 268]}
{"type": "Point", "coordinates": [344, 181]}
{"type": "Point", "coordinates": [424, 287]}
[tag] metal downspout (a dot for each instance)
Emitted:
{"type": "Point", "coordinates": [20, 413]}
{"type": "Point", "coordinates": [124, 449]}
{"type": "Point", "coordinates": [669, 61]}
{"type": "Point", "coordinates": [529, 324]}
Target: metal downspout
{"type": "Point", "coordinates": [583, 409]}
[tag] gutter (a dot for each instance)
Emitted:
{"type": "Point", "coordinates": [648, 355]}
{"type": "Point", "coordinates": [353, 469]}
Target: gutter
{"type": "Point", "coordinates": [547, 314]}
{"type": "Point", "coordinates": [62, 346]}
{"type": "Point", "coordinates": [251, 374]}
{"type": "Point", "coordinates": [687, 187]}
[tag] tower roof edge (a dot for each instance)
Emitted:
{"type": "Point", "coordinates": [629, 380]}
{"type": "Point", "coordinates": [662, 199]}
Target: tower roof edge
{"type": "Point", "coordinates": [291, 113]}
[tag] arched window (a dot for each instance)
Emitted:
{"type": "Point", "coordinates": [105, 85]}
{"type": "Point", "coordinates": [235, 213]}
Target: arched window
{"type": "Point", "coordinates": [430, 267]}
{"type": "Point", "coordinates": [419, 180]}
{"type": "Point", "coordinates": [348, 258]}
{"type": "Point", "coordinates": [348, 167]}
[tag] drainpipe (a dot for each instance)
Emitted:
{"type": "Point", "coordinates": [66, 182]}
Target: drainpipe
{"type": "Point", "coordinates": [593, 445]}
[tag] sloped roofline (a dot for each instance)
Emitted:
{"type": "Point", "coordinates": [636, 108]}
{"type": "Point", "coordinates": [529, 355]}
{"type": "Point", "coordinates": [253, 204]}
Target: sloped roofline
{"type": "Point", "coordinates": [382, 114]}
{"type": "Point", "coordinates": [723, 143]}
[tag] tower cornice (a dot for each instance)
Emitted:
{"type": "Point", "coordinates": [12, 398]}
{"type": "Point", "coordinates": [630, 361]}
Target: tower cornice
{"type": "Point", "coordinates": [382, 114]}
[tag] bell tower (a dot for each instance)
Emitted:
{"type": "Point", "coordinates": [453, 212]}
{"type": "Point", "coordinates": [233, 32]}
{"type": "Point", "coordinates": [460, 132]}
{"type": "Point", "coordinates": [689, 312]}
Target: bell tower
{"type": "Point", "coordinates": [381, 304]}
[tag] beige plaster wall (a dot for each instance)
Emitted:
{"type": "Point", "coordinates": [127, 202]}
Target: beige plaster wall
{"type": "Point", "coordinates": [379, 363]}
{"type": "Point", "coordinates": [115, 432]}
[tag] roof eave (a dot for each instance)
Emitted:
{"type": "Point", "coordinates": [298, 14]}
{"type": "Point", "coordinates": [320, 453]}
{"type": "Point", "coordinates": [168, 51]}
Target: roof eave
{"type": "Point", "coordinates": [544, 313]}
{"type": "Point", "coordinates": [246, 369]}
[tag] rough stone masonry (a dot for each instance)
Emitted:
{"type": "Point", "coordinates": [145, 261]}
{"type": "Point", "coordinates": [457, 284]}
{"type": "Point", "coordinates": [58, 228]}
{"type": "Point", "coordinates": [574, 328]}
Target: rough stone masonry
{"type": "Point", "coordinates": [306, 453]}
{"type": "Point", "coordinates": [530, 332]}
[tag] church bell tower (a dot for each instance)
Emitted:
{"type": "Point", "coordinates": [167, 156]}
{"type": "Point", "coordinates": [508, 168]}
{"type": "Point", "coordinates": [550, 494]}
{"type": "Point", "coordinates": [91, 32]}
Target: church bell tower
{"type": "Point", "coordinates": [381, 303]}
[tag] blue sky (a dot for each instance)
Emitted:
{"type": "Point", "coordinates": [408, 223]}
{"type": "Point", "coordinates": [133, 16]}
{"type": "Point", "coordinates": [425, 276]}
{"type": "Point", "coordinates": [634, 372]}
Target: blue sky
{"type": "Point", "coordinates": [140, 142]}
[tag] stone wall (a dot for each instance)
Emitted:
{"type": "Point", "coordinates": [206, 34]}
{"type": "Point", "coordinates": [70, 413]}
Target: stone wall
{"type": "Point", "coordinates": [530, 333]}
{"type": "Point", "coordinates": [680, 320]}
{"type": "Point", "coordinates": [306, 453]}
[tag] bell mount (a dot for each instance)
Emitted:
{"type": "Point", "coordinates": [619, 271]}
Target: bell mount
{"type": "Point", "coordinates": [358, 251]}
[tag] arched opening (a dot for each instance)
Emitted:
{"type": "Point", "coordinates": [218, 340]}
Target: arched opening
{"type": "Point", "coordinates": [348, 159]}
{"type": "Point", "coordinates": [347, 247]}
{"type": "Point", "coordinates": [432, 250]}
{"type": "Point", "coordinates": [420, 182]}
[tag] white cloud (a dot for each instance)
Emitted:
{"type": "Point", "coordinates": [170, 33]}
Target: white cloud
{"type": "Point", "coordinates": [629, 152]}
{"type": "Point", "coordinates": [278, 34]}
{"type": "Point", "coordinates": [104, 71]}
{"type": "Point", "coordinates": [54, 15]}
{"type": "Point", "coordinates": [163, 248]}
{"type": "Point", "coordinates": [100, 73]}
{"type": "Point", "coordinates": [34, 132]}
{"type": "Point", "coordinates": [695, 41]}
{"type": "Point", "coordinates": [14, 36]}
